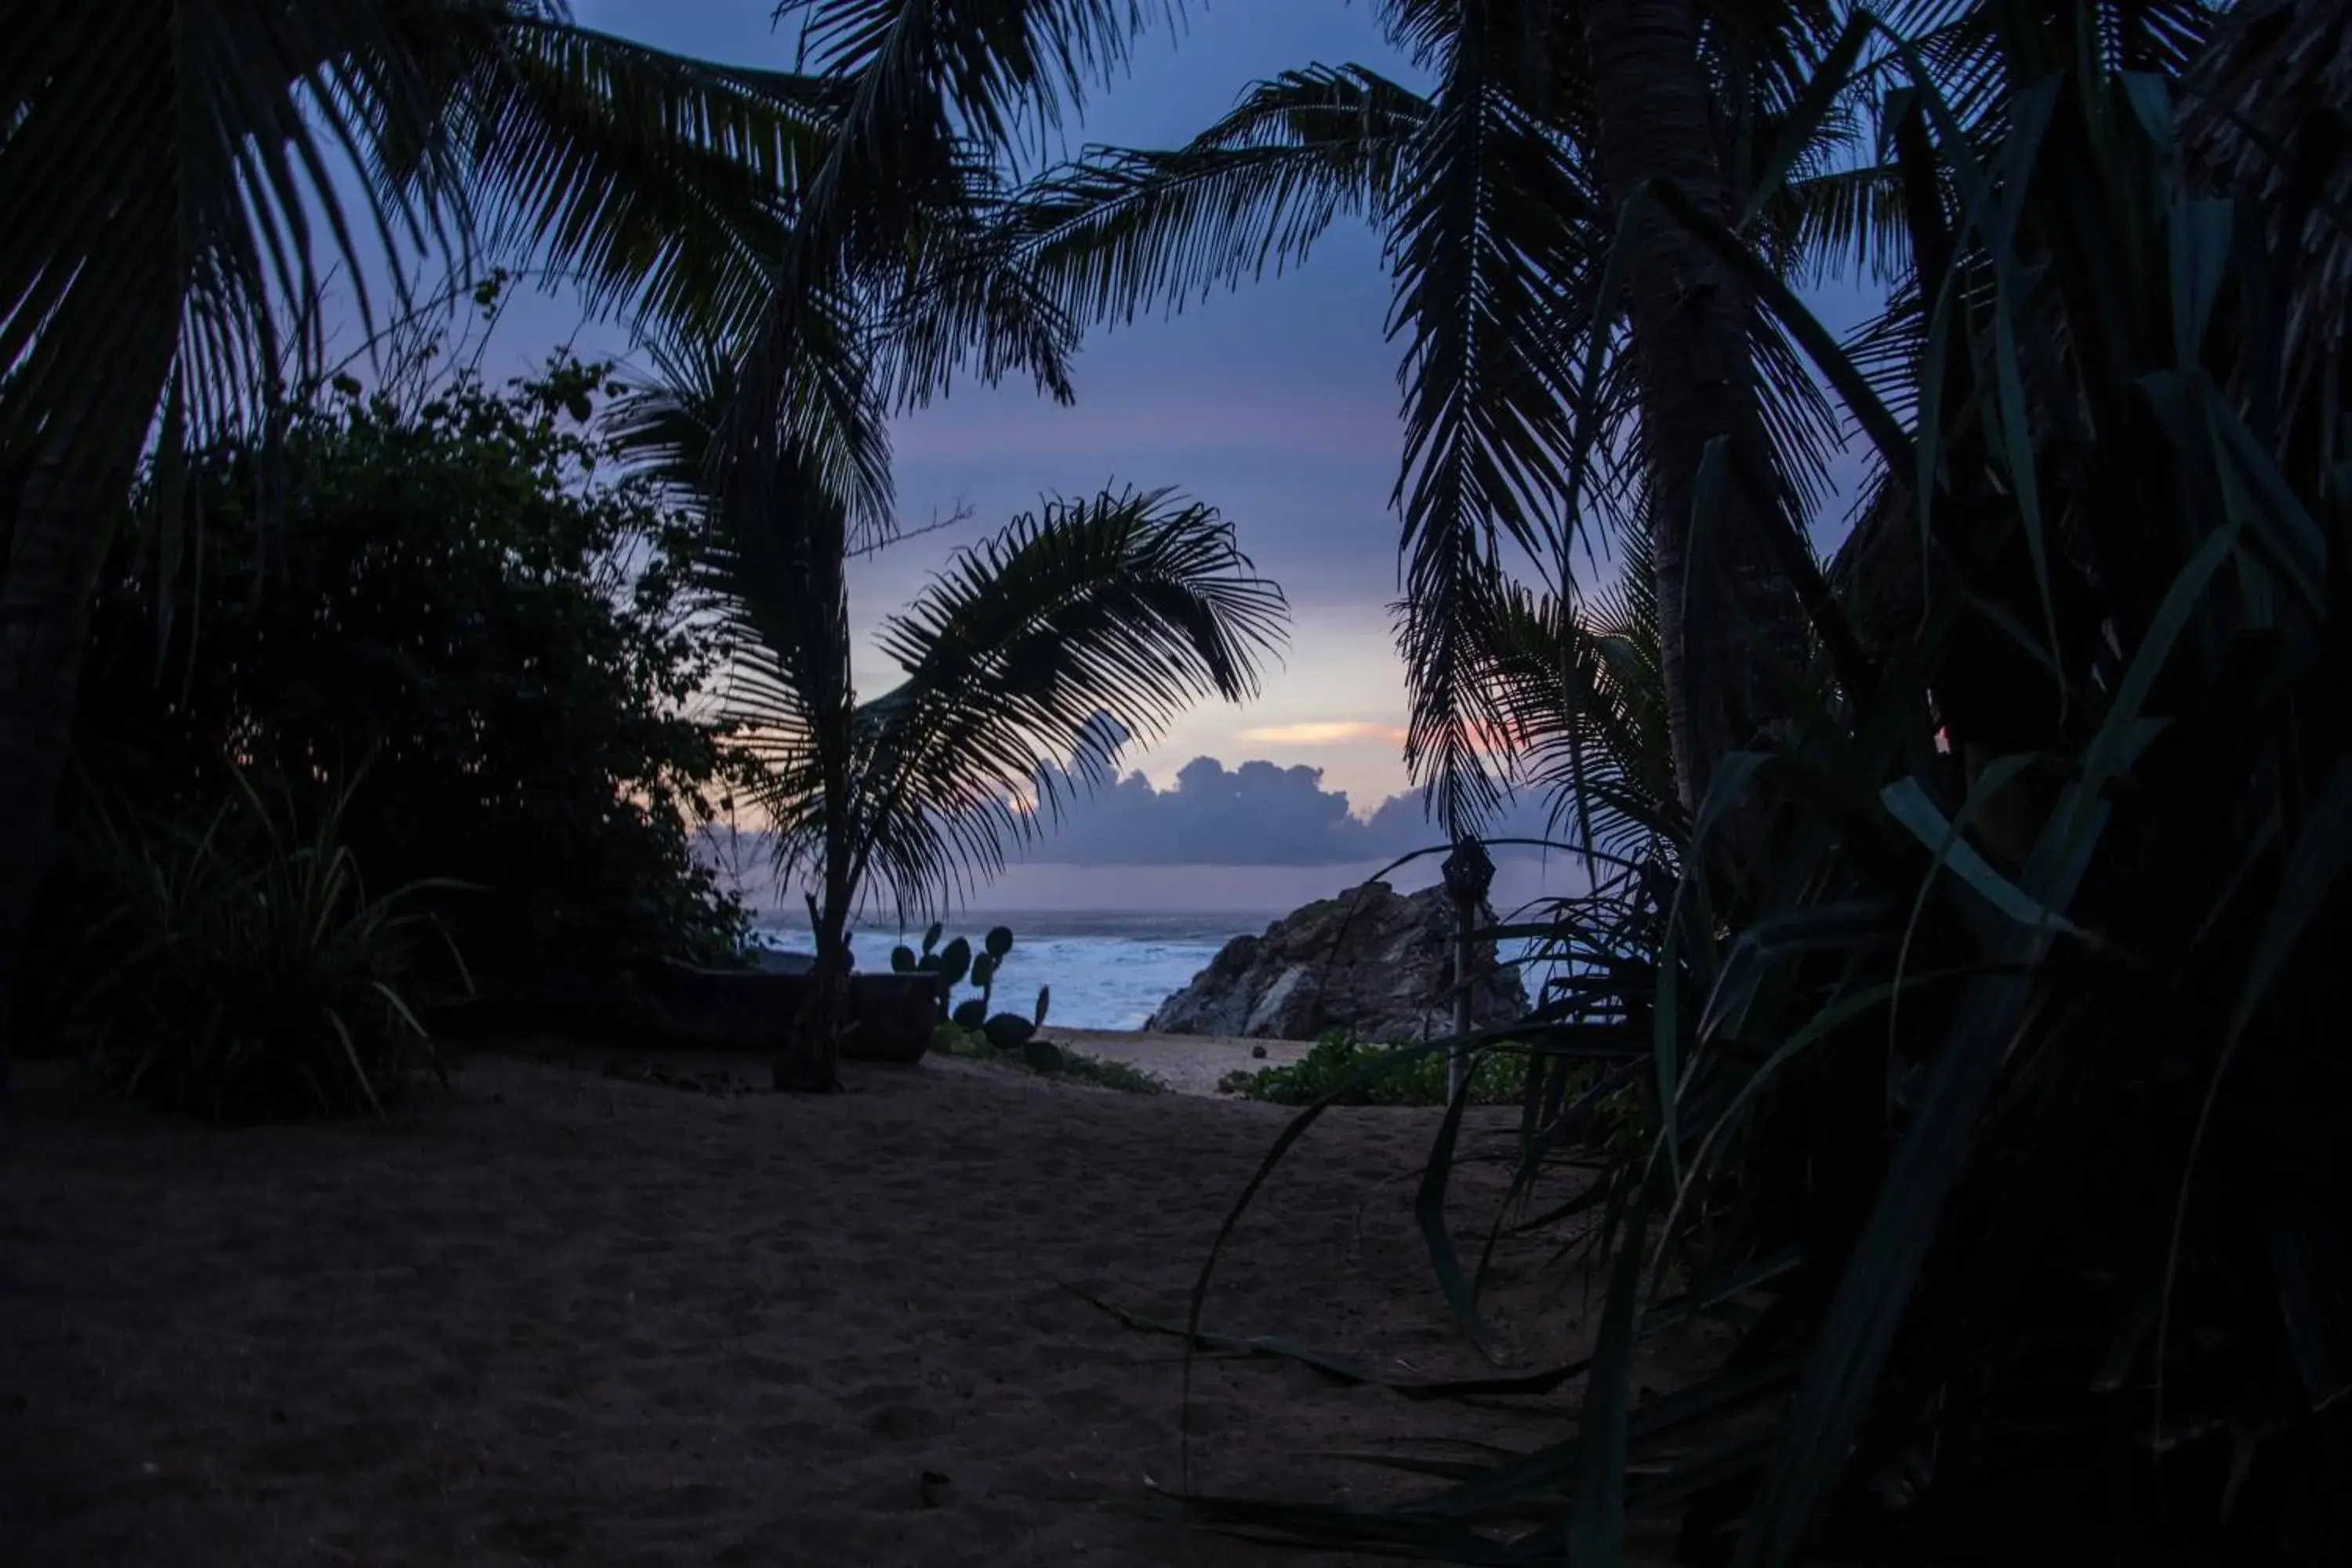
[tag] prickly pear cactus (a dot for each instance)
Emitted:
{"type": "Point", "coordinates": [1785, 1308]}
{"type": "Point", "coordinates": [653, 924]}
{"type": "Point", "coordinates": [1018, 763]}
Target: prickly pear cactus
{"type": "Point", "coordinates": [1008, 1032]}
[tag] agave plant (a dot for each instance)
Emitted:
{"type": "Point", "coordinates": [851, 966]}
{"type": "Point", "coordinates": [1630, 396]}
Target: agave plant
{"type": "Point", "coordinates": [239, 968]}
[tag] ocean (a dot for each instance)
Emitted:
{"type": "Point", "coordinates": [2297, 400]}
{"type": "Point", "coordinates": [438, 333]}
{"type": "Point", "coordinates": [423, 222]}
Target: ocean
{"type": "Point", "coordinates": [1108, 968]}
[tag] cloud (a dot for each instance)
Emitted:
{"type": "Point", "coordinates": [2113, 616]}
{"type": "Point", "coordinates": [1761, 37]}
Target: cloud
{"type": "Point", "coordinates": [1324, 733]}
{"type": "Point", "coordinates": [1257, 814]}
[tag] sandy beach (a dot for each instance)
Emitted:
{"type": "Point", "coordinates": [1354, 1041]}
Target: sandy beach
{"type": "Point", "coordinates": [578, 1318]}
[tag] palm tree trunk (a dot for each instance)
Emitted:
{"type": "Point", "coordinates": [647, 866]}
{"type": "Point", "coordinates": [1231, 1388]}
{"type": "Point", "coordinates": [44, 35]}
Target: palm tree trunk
{"type": "Point", "coordinates": [828, 1014]}
{"type": "Point", "coordinates": [56, 548]}
{"type": "Point", "coordinates": [1724, 617]}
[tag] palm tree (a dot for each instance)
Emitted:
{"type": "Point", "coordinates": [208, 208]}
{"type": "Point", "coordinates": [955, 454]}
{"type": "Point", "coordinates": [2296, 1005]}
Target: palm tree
{"type": "Point", "coordinates": [1028, 664]}
{"type": "Point", "coordinates": [1500, 194]}
{"type": "Point", "coordinates": [174, 181]}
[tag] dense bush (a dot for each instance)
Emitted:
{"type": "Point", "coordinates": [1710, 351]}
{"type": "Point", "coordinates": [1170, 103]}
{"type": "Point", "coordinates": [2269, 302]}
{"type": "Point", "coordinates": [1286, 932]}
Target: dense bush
{"type": "Point", "coordinates": [455, 592]}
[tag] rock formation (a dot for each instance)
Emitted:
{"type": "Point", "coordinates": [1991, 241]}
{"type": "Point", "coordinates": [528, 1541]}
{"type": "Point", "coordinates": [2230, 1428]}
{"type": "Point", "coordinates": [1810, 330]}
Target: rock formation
{"type": "Point", "coordinates": [1372, 961]}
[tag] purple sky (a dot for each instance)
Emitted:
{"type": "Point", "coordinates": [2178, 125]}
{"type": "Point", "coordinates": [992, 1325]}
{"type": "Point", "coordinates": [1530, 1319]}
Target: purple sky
{"type": "Point", "coordinates": [1278, 404]}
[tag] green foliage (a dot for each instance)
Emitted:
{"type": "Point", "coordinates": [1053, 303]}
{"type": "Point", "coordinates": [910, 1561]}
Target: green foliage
{"type": "Point", "coordinates": [1046, 1060]}
{"type": "Point", "coordinates": [1338, 1064]}
{"type": "Point", "coordinates": [237, 968]}
{"type": "Point", "coordinates": [454, 588]}
{"type": "Point", "coordinates": [1985, 1035]}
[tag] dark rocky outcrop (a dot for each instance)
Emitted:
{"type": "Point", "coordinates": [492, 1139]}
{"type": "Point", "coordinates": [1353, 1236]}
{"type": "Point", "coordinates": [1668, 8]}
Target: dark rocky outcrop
{"type": "Point", "coordinates": [1373, 961]}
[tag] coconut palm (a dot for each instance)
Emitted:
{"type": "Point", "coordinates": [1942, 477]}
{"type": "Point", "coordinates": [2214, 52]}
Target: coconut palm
{"type": "Point", "coordinates": [1028, 664]}
{"type": "Point", "coordinates": [1500, 194]}
{"type": "Point", "coordinates": [177, 181]}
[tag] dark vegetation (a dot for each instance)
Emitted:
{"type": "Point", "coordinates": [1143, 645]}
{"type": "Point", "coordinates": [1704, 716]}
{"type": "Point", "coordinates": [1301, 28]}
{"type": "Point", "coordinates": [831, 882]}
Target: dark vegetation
{"type": "Point", "coordinates": [1340, 1070]}
{"type": "Point", "coordinates": [458, 657]}
{"type": "Point", "coordinates": [1044, 1059]}
{"type": "Point", "coordinates": [956, 962]}
{"type": "Point", "coordinates": [1952, 1014]}
{"type": "Point", "coordinates": [1979, 1013]}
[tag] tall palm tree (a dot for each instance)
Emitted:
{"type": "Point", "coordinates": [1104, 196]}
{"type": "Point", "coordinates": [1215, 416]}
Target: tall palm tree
{"type": "Point", "coordinates": [175, 181]}
{"type": "Point", "coordinates": [1028, 664]}
{"type": "Point", "coordinates": [1500, 194]}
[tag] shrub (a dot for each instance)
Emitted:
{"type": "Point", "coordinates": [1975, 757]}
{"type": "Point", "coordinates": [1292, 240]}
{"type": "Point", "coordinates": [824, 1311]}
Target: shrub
{"type": "Point", "coordinates": [1338, 1061]}
{"type": "Point", "coordinates": [1045, 1060]}
{"type": "Point", "coordinates": [240, 970]}
{"type": "Point", "coordinates": [453, 587]}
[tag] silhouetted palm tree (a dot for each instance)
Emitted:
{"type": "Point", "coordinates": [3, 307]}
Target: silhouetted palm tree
{"type": "Point", "coordinates": [1028, 665]}
{"type": "Point", "coordinates": [1499, 194]}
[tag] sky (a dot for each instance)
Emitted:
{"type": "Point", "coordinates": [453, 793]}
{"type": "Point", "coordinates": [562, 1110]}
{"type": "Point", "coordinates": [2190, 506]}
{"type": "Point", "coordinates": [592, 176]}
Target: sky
{"type": "Point", "coordinates": [1278, 404]}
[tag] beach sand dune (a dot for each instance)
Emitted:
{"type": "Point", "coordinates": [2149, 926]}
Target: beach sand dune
{"type": "Point", "coordinates": [582, 1319]}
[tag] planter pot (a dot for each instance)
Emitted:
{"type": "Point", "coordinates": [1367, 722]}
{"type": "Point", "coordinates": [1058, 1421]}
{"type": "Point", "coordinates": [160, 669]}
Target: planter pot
{"type": "Point", "coordinates": [728, 1009]}
{"type": "Point", "coordinates": [891, 1017]}
{"type": "Point", "coordinates": [751, 1011]}
{"type": "Point", "coordinates": [594, 1010]}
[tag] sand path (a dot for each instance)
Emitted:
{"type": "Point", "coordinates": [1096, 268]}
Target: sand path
{"type": "Point", "coordinates": [580, 1320]}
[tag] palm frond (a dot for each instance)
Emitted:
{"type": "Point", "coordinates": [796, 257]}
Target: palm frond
{"type": "Point", "coordinates": [652, 179]}
{"type": "Point", "coordinates": [968, 297]}
{"type": "Point", "coordinates": [1582, 691]}
{"type": "Point", "coordinates": [1497, 252]}
{"type": "Point", "coordinates": [162, 173]}
{"type": "Point", "coordinates": [769, 562]}
{"type": "Point", "coordinates": [1980, 50]}
{"type": "Point", "coordinates": [1033, 658]}
{"type": "Point", "coordinates": [1119, 230]}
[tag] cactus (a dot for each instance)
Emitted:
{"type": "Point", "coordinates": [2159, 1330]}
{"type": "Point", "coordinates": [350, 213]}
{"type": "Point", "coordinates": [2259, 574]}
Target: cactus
{"type": "Point", "coordinates": [956, 961]}
{"type": "Point", "coordinates": [1045, 995]}
{"type": "Point", "coordinates": [1008, 1032]}
{"type": "Point", "coordinates": [947, 963]}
